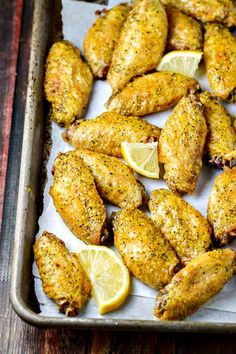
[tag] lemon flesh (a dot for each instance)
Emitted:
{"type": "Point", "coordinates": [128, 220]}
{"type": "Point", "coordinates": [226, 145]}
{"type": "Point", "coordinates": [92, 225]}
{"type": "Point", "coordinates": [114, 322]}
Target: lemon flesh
{"type": "Point", "coordinates": [142, 158]}
{"type": "Point", "coordinates": [109, 277]}
{"type": "Point", "coordinates": [184, 62]}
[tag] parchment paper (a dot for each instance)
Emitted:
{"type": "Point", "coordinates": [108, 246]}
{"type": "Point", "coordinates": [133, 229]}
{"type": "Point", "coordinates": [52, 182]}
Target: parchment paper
{"type": "Point", "coordinates": [77, 18]}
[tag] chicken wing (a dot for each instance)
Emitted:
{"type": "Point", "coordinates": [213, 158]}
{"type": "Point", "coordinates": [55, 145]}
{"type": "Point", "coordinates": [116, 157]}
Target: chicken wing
{"type": "Point", "coordinates": [115, 181]}
{"type": "Point", "coordinates": [220, 61]}
{"type": "Point", "coordinates": [221, 137]}
{"type": "Point", "coordinates": [195, 284]}
{"type": "Point", "coordinates": [184, 32]}
{"type": "Point", "coordinates": [68, 82]}
{"type": "Point", "coordinates": [143, 248]}
{"type": "Point", "coordinates": [181, 145]}
{"type": "Point", "coordinates": [76, 198]}
{"type": "Point", "coordinates": [141, 43]}
{"type": "Point", "coordinates": [101, 38]}
{"type": "Point", "coordinates": [151, 93]}
{"type": "Point", "coordinates": [63, 278]}
{"type": "Point", "coordinates": [222, 11]}
{"type": "Point", "coordinates": [184, 227]}
{"type": "Point", "coordinates": [221, 210]}
{"type": "Point", "coordinates": [105, 133]}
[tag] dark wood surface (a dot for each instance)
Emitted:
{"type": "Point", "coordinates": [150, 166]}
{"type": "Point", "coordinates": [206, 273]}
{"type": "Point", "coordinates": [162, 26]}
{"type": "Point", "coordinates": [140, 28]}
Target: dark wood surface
{"type": "Point", "coordinates": [16, 336]}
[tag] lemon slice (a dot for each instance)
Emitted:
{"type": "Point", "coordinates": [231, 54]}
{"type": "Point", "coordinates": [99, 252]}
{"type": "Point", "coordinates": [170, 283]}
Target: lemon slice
{"type": "Point", "coordinates": [142, 158]}
{"type": "Point", "coordinates": [181, 61]}
{"type": "Point", "coordinates": [109, 277]}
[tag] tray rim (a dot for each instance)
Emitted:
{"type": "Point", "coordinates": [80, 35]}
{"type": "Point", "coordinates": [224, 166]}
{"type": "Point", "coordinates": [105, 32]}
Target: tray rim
{"type": "Point", "coordinates": [18, 303]}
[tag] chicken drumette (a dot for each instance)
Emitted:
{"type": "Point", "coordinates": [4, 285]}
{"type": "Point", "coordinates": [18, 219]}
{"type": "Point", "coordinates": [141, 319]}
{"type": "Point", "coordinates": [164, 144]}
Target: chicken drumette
{"type": "Point", "coordinates": [115, 180]}
{"type": "Point", "coordinates": [62, 276]}
{"type": "Point", "coordinates": [67, 84]}
{"type": "Point", "coordinates": [76, 198]}
{"type": "Point", "coordinates": [183, 226]}
{"type": "Point", "coordinates": [181, 145]}
{"type": "Point", "coordinates": [221, 211]}
{"type": "Point", "coordinates": [145, 251]}
{"type": "Point", "coordinates": [141, 43]}
{"type": "Point", "coordinates": [195, 284]}
{"type": "Point", "coordinates": [105, 133]}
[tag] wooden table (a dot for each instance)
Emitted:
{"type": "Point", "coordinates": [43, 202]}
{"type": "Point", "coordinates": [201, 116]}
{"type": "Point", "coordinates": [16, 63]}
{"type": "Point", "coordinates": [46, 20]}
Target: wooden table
{"type": "Point", "coordinates": [16, 336]}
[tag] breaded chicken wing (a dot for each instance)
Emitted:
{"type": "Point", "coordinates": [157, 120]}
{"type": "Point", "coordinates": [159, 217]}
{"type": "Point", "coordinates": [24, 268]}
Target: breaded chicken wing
{"type": "Point", "coordinates": [181, 145]}
{"type": "Point", "coordinates": [184, 33]}
{"type": "Point", "coordinates": [195, 284]}
{"type": "Point", "coordinates": [221, 11]}
{"type": "Point", "coordinates": [115, 180]}
{"type": "Point", "coordinates": [105, 133]}
{"type": "Point", "coordinates": [220, 61]}
{"type": "Point", "coordinates": [141, 43]}
{"type": "Point", "coordinates": [76, 198]}
{"type": "Point", "coordinates": [221, 211]}
{"type": "Point", "coordinates": [151, 93]}
{"type": "Point", "coordinates": [183, 226]}
{"type": "Point", "coordinates": [62, 276]}
{"type": "Point", "coordinates": [145, 251]}
{"type": "Point", "coordinates": [101, 38]}
{"type": "Point", "coordinates": [67, 84]}
{"type": "Point", "coordinates": [221, 137]}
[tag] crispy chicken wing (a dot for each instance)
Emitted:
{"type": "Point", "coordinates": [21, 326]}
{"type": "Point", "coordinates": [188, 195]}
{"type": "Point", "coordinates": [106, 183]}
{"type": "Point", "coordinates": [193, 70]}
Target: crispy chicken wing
{"type": "Point", "coordinates": [101, 38]}
{"type": "Point", "coordinates": [105, 133]}
{"type": "Point", "coordinates": [195, 284]}
{"type": "Point", "coordinates": [181, 145]}
{"type": "Point", "coordinates": [151, 93]}
{"type": "Point", "coordinates": [141, 43]}
{"type": "Point", "coordinates": [220, 60]}
{"type": "Point", "coordinates": [63, 278]}
{"type": "Point", "coordinates": [145, 251]}
{"type": "Point", "coordinates": [221, 211]}
{"type": "Point", "coordinates": [221, 137]}
{"type": "Point", "coordinates": [184, 33]}
{"type": "Point", "coordinates": [222, 11]}
{"type": "Point", "coordinates": [68, 82]}
{"type": "Point", "coordinates": [76, 198]}
{"type": "Point", "coordinates": [115, 181]}
{"type": "Point", "coordinates": [184, 227]}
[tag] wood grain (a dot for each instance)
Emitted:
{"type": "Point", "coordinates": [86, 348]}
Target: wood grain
{"type": "Point", "coordinates": [16, 337]}
{"type": "Point", "coordinates": [9, 44]}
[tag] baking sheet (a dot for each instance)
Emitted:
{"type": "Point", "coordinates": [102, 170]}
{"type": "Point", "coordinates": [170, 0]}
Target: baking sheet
{"type": "Point", "coordinates": [77, 18]}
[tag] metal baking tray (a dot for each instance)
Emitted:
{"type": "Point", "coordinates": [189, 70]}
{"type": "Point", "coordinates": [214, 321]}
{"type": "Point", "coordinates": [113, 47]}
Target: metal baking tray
{"type": "Point", "coordinates": [46, 16]}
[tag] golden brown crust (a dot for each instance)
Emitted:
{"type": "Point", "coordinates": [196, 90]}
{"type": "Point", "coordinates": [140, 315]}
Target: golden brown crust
{"type": "Point", "coordinates": [143, 248]}
{"type": "Point", "coordinates": [76, 198]}
{"type": "Point", "coordinates": [220, 145]}
{"type": "Point", "coordinates": [115, 181]}
{"type": "Point", "coordinates": [63, 278]}
{"type": "Point", "coordinates": [181, 145]}
{"type": "Point", "coordinates": [67, 84]}
{"type": "Point", "coordinates": [141, 43]}
{"type": "Point", "coordinates": [220, 61]}
{"type": "Point", "coordinates": [105, 133]}
{"type": "Point", "coordinates": [101, 38]}
{"type": "Point", "coordinates": [195, 284]}
{"type": "Point", "coordinates": [183, 226]}
{"type": "Point", "coordinates": [184, 33]}
{"type": "Point", "coordinates": [151, 93]}
{"type": "Point", "coordinates": [221, 210]}
{"type": "Point", "coordinates": [221, 11]}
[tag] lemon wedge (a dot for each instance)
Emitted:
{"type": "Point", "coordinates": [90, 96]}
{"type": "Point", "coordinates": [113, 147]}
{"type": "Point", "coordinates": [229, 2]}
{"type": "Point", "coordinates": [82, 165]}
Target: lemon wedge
{"type": "Point", "coordinates": [142, 158]}
{"type": "Point", "coordinates": [109, 277]}
{"type": "Point", "coordinates": [181, 61]}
